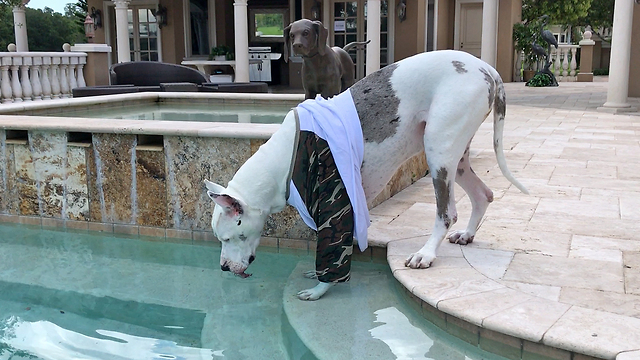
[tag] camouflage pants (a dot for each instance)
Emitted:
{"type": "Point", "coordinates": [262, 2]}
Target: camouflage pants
{"type": "Point", "coordinates": [316, 178]}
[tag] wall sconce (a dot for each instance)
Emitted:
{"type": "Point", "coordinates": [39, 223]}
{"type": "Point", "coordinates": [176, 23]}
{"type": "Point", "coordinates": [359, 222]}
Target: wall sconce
{"type": "Point", "coordinates": [161, 16]}
{"type": "Point", "coordinates": [401, 9]}
{"type": "Point", "coordinates": [89, 28]}
{"type": "Point", "coordinates": [96, 16]}
{"type": "Point", "coordinates": [316, 9]}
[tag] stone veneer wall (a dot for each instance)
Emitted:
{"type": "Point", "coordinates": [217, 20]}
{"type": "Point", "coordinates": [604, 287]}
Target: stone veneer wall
{"type": "Point", "coordinates": [112, 179]}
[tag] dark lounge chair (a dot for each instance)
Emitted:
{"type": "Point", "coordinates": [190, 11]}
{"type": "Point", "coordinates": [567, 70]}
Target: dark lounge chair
{"type": "Point", "coordinates": [140, 76]}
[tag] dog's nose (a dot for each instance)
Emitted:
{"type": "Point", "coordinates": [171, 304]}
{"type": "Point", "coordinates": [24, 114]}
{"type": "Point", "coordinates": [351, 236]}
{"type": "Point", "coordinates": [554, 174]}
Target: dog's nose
{"type": "Point", "coordinates": [224, 267]}
{"type": "Point", "coordinates": [251, 258]}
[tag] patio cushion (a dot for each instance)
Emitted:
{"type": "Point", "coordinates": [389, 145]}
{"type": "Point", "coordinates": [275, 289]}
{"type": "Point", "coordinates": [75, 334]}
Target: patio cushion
{"type": "Point", "coordinates": [153, 73]}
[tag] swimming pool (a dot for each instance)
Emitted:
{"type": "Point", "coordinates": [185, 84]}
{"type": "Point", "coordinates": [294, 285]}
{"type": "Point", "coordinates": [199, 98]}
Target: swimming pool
{"type": "Point", "coordinates": [263, 114]}
{"type": "Point", "coordinates": [67, 295]}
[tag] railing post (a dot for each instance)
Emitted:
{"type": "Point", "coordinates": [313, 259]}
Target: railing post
{"type": "Point", "coordinates": [55, 77]}
{"type": "Point", "coordinates": [46, 82]}
{"type": "Point", "coordinates": [565, 62]}
{"type": "Point", "coordinates": [64, 79]}
{"type": "Point", "coordinates": [73, 64]}
{"type": "Point", "coordinates": [5, 81]}
{"type": "Point", "coordinates": [574, 64]}
{"type": "Point", "coordinates": [587, 46]}
{"type": "Point", "coordinates": [25, 82]}
{"type": "Point", "coordinates": [15, 79]}
{"type": "Point", "coordinates": [81, 61]}
{"type": "Point", "coordinates": [556, 64]}
{"type": "Point", "coordinates": [35, 78]}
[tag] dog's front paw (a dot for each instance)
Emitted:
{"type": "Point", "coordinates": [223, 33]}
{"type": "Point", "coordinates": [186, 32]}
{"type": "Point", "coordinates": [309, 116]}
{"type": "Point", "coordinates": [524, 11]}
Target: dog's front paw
{"type": "Point", "coordinates": [461, 237]}
{"type": "Point", "coordinates": [419, 261]}
{"type": "Point", "coordinates": [316, 292]}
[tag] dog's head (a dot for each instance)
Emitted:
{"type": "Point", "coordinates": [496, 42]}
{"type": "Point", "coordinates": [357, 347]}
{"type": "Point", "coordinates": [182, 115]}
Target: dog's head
{"type": "Point", "coordinates": [306, 37]}
{"type": "Point", "coordinates": [237, 226]}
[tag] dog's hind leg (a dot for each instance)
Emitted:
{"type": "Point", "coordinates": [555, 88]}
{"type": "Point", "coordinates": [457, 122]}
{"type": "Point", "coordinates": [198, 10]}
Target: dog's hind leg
{"type": "Point", "coordinates": [449, 129]}
{"type": "Point", "coordinates": [479, 194]}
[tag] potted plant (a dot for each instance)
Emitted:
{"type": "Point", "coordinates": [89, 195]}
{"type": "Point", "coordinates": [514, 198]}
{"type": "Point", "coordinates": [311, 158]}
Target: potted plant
{"type": "Point", "coordinates": [524, 35]}
{"type": "Point", "coordinates": [220, 53]}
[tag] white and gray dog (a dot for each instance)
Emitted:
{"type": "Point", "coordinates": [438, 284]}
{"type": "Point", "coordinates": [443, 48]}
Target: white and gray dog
{"type": "Point", "coordinates": [434, 101]}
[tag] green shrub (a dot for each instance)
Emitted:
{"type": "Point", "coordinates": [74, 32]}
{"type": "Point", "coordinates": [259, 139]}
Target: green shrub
{"type": "Point", "coordinates": [540, 80]}
{"type": "Point", "coordinates": [597, 72]}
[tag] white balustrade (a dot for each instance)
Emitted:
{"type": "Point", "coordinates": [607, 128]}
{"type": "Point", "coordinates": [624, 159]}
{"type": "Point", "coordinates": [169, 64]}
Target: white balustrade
{"type": "Point", "coordinates": [27, 76]}
{"type": "Point", "coordinates": [564, 63]}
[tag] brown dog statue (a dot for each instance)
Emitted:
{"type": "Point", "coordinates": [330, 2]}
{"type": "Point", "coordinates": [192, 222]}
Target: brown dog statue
{"type": "Point", "coordinates": [325, 71]}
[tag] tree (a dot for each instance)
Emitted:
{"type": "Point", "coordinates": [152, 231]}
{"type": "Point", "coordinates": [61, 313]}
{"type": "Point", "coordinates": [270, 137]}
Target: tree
{"type": "Point", "coordinates": [78, 11]}
{"type": "Point", "coordinates": [565, 12]}
{"type": "Point", "coordinates": [571, 13]}
{"type": "Point", "coordinates": [599, 16]}
{"type": "Point", "coordinates": [49, 30]}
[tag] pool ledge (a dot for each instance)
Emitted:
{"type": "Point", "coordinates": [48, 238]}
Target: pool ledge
{"type": "Point", "coordinates": [474, 291]}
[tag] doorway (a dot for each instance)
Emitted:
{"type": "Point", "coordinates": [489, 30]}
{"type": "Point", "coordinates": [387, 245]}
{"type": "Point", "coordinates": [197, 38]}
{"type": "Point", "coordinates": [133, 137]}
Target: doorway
{"type": "Point", "coordinates": [348, 24]}
{"type": "Point", "coordinates": [470, 28]}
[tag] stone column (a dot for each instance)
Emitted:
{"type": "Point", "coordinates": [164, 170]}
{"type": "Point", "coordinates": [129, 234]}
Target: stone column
{"type": "Point", "coordinates": [586, 58]}
{"type": "Point", "coordinates": [373, 34]}
{"type": "Point", "coordinates": [20, 27]}
{"type": "Point", "coordinates": [489, 44]}
{"type": "Point", "coordinates": [618, 92]}
{"type": "Point", "coordinates": [122, 30]}
{"type": "Point", "coordinates": [241, 29]}
{"type": "Point", "coordinates": [97, 63]}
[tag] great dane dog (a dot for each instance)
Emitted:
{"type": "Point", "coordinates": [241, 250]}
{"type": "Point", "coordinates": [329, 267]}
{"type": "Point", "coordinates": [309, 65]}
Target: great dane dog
{"type": "Point", "coordinates": [434, 101]}
{"type": "Point", "coordinates": [325, 71]}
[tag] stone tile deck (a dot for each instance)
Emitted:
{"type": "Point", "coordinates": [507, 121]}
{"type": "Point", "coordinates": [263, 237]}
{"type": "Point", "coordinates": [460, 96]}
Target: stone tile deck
{"type": "Point", "coordinates": [560, 267]}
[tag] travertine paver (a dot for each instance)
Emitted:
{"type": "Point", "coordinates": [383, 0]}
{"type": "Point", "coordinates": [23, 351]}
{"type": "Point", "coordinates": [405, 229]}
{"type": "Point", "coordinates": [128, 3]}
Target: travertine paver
{"type": "Point", "coordinates": [586, 274]}
{"type": "Point", "coordinates": [559, 267]}
{"type": "Point", "coordinates": [528, 320]}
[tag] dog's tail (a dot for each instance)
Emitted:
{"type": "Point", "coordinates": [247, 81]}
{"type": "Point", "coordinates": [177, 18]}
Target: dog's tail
{"type": "Point", "coordinates": [351, 45]}
{"type": "Point", "coordinates": [499, 112]}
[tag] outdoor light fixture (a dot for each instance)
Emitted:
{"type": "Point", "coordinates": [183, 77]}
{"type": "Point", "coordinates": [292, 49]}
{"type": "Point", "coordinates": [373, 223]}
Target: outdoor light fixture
{"type": "Point", "coordinates": [401, 9]}
{"type": "Point", "coordinates": [315, 11]}
{"type": "Point", "coordinates": [96, 16]}
{"type": "Point", "coordinates": [161, 16]}
{"type": "Point", "coordinates": [89, 29]}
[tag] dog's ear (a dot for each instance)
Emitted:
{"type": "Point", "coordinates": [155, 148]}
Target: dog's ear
{"type": "Point", "coordinates": [231, 205]}
{"type": "Point", "coordinates": [213, 187]}
{"type": "Point", "coordinates": [321, 36]}
{"type": "Point", "coordinates": [287, 43]}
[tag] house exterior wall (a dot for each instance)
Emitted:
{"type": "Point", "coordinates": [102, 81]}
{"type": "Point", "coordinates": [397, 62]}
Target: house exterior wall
{"type": "Point", "coordinates": [409, 34]}
{"type": "Point", "coordinates": [634, 70]}
{"type": "Point", "coordinates": [173, 34]}
{"type": "Point", "coordinates": [509, 13]}
{"type": "Point", "coordinates": [446, 24]}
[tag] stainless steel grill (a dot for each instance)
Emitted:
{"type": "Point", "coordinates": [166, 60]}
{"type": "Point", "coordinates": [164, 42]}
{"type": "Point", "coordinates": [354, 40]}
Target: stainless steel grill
{"type": "Point", "coordinates": [261, 71]}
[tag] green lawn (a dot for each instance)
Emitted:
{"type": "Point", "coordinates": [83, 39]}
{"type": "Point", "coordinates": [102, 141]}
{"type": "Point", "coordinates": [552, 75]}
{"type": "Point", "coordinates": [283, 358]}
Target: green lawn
{"type": "Point", "coordinates": [270, 30]}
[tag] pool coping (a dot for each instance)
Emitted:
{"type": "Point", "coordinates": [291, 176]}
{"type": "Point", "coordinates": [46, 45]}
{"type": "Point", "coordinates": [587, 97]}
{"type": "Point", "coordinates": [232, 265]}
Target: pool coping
{"type": "Point", "coordinates": [11, 118]}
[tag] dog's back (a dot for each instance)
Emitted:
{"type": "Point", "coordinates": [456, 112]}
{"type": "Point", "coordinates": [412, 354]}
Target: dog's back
{"type": "Point", "coordinates": [395, 103]}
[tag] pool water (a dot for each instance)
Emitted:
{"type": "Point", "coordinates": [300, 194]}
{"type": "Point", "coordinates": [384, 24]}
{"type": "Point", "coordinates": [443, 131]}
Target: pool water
{"type": "Point", "coordinates": [272, 114]}
{"type": "Point", "coordinates": [66, 295]}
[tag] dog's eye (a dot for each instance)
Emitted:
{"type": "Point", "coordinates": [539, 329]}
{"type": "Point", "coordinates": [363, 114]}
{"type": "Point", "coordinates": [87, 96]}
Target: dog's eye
{"type": "Point", "coordinates": [224, 240]}
{"type": "Point", "coordinates": [239, 222]}
{"type": "Point", "coordinates": [305, 33]}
